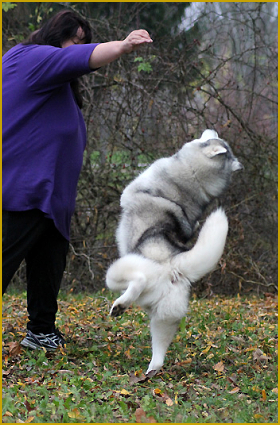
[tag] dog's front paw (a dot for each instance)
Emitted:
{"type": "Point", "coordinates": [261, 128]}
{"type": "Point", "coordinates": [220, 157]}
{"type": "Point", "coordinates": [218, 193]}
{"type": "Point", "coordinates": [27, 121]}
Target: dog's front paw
{"type": "Point", "coordinates": [117, 310]}
{"type": "Point", "coordinates": [151, 373]}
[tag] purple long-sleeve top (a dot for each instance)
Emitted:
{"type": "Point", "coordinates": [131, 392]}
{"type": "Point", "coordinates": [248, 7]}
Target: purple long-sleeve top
{"type": "Point", "coordinates": [44, 133]}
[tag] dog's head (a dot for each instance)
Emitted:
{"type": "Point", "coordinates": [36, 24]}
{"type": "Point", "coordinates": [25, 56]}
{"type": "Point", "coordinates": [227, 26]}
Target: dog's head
{"type": "Point", "coordinates": [211, 160]}
{"type": "Point", "coordinates": [212, 146]}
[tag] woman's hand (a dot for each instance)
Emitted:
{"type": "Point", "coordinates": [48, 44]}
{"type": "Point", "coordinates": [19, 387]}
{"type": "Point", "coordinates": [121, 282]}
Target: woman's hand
{"type": "Point", "coordinates": [135, 39]}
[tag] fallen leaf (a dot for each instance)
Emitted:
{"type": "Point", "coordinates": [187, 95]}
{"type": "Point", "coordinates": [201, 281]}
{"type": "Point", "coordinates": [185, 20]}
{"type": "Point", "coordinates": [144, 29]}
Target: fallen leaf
{"type": "Point", "coordinates": [142, 418]}
{"type": "Point", "coordinates": [136, 377]}
{"type": "Point", "coordinates": [169, 402]}
{"type": "Point", "coordinates": [61, 349]}
{"type": "Point", "coordinates": [29, 419]}
{"type": "Point", "coordinates": [206, 350]}
{"type": "Point", "coordinates": [234, 390]}
{"type": "Point", "coordinates": [75, 414]}
{"type": "Point", "coordinates": [259, 356]}
{"type": "Point", "coordinates": [233, 379]}
{"type": "Point", "coordinates": [183, 362]}
{"type": "Point", "coordinates": [238, 339]}
{"type": "Point", "coordinates": [14, 348]}
{"type": "Point", "coordinates": [258, 416]}
{"type": "Point", "coordinates": [31, 380]}
{"type": "Point", "coordinates": [263, 395]}
{"type": "Point", "coordinates": [66, 329]}
{"type": "Point", "coordinates": [127, 354]}
{"type": "Point", "coordinates": [219, 367]}
{"type": "Point", "coordinates": [5, 373]}
{"type": "Point", "coordinates": [123, 392]}
{"type": "Point", "coordinates": [161, 396]}
{"type": "Point", "coordinates": [7, 413]}
{"type": "Point", "coordinates": [64, 371]}
{"type": "Point", "coordinates": [140, 415]}
{"type": "Point", "coordinates": [28, 406]}
{"type": "Point", "coordinates": [202, 387]}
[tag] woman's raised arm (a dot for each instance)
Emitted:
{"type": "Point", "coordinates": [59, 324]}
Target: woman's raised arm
{"type": "Point", "coordinates": [105, 53]}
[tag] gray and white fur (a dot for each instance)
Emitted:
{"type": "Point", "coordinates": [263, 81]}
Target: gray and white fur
{"type": "Point", "coordinates": [160, 210]}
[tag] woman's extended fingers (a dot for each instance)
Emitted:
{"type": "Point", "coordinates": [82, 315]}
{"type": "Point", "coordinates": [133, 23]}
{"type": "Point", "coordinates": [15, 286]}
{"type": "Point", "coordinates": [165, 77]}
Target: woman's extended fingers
{"type": "Point", "coordinates": [135, 39]}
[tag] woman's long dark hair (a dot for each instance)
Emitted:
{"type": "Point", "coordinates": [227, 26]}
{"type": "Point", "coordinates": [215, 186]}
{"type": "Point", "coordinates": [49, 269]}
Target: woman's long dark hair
{"type": "Point", "coordinates": [62, 27]}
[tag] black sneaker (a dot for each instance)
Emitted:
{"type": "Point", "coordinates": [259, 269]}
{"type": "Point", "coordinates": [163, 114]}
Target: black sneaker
{"type": "Point", "coordinates": [49, 341]}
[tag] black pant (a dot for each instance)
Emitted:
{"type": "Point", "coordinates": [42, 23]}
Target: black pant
{"type": "Point", "coordinates": [31, 236]}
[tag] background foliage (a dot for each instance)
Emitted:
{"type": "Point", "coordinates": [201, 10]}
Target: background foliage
{"type": "Point", "coordinates": [212, 65]}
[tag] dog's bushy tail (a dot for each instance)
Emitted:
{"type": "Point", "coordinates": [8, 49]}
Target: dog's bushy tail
{"type": "Point", "coordinates": [207, 251]}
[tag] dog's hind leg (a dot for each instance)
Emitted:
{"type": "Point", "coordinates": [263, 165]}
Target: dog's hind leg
{"type": "Point", "coordinates": [162, 334]}
{"type": "Point", "coordinates": [133, 291]}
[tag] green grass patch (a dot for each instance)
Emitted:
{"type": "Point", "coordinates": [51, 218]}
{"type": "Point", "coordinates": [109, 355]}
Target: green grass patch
{"type": "Point", "coordinates": [221, 366]}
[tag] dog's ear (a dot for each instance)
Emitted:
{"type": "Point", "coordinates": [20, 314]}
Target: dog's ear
{"type": "Point", "coordinates": [214, 149]}
{"type": "Point", "coordinates": [208, 134]}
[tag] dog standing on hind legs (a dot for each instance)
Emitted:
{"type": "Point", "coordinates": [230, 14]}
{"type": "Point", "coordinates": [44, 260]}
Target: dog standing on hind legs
{"type": "Point", "coordinates": [160, 209]}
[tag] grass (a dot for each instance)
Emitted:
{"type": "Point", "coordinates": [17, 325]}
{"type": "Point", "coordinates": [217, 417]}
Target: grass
{"type": "Point", "coordinates": [221, 367]}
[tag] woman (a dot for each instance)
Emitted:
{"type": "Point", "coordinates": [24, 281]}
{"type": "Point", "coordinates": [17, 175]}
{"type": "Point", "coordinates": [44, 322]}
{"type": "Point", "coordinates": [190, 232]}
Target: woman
{"type": "Point", "coordinates": [44, 138]}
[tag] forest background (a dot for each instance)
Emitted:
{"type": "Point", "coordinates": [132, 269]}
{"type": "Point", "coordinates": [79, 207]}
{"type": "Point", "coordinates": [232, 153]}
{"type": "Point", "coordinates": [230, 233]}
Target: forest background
{"type": "Point", "coordinates": [211, 65]}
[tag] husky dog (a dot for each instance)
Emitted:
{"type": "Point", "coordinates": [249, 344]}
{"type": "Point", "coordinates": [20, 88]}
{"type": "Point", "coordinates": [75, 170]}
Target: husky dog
{"type": "Point", "coordinates": [160, 209]}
